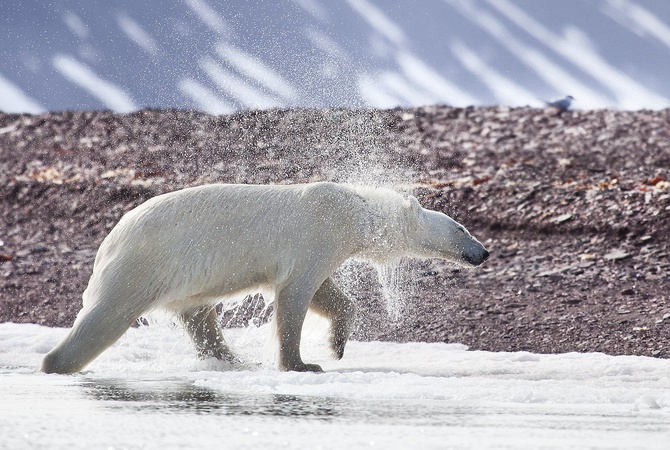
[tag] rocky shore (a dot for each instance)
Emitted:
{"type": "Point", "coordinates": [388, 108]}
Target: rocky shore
{"type": "Point", "coordinates": [575, 208]}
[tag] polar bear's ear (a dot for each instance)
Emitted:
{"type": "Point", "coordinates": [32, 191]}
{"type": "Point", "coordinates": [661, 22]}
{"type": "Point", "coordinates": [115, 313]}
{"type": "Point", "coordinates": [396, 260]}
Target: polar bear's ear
{"type": "Point", "coordinates": [414, 205]}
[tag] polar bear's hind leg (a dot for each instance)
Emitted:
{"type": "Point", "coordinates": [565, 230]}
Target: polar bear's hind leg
{"type": "Point", "coordinates": [203, 325]}
{"type": "Point", "coordinates": [331, 303]}
{"type": "Point", "coordinates": [96, 328]}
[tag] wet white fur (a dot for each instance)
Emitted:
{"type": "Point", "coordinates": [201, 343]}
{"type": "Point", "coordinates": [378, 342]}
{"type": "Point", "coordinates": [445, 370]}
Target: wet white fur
{"type": "Point", "coordinates": [186, 250]}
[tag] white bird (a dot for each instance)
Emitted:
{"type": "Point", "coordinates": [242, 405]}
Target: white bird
{"type": "Point", "coordinates": [562, 104]}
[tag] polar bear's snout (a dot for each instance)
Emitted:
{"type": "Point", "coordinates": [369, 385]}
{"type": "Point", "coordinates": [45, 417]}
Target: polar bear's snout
{"type": "Point", "coordinates": [476, 258]}
{"type": "Point", "coordinates": [474, 253]}
{"type": "Point", "coordinates": [439, 236]}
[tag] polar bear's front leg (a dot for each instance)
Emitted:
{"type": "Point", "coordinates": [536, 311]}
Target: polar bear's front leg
{"type": "Point", "coordinates": [202, 324]}
{"type": "Point", "coordinates": [292, 302]}
{"type": "Point", "coordinates": [331, 303]}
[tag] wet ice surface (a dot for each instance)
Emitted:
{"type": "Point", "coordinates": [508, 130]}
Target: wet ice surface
{"type": "Point", "coordinates": [149, 391]}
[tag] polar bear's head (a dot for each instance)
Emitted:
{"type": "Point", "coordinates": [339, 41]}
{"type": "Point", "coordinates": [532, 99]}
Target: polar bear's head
{"type": "Point", "coordinates": [395, 225]}
{"type": "Point", "coordinates": [436, 235]}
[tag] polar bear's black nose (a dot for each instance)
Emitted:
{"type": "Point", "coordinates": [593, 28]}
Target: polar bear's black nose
{"type": "Point", "coordinates": [476, 260]}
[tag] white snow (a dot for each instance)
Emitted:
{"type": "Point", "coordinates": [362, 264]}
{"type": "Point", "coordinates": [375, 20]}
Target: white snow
{"type": "Point", "coordinates": [325, 43]}
{"type": "Point", "coordinates": [315, 9]}
{"type": "Point", "coordinates": [507, 91]}
{"type": "Point", "coordinates": [76, 25]}
{"type": "Point", "coordinates": [137, 34]}
{"type": "Point", "coordinates": [395, 395]}
{"type": "Point", "coordinates": [574, 45]}
{"type": "Point", "coordinates": [14, 100]}
{"type": "Point", "coordinates": [373, 95]}
{"type": "Point", "coordinates": [429, 79]}
{"type": "Point", "coordinates": [112, 96]}
{"type": "Point", "coordinates": [236, 87]}
{"type": "Point", "coordinates": [206, 99]}
{"type": "Point", "coordinates": [638, 19]}
{"type": "Point", "coordinates": [379, 21]}
{"type": "Point", "coordinates": [402, 88]}
{"type": "Point", "coordinates": [308, 53]}
{"type": "Point", "coordinates": [209, 16]}
{"type": "Point", "coordinates": [252, 67]}
{"type": "Point", "coordinates": [549, 70]}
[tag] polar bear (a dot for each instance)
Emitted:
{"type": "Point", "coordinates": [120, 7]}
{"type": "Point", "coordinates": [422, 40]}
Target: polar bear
{"type": "Point", "coordinates": [186, 250]}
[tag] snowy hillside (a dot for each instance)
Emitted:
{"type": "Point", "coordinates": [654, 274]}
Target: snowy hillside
{"type": "Point", "coordinates": [223, 56]}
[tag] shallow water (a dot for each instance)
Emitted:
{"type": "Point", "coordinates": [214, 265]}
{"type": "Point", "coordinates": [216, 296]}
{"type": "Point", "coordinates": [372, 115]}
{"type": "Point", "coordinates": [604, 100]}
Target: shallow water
{"type": "Point", "coordinates": [148, 391]}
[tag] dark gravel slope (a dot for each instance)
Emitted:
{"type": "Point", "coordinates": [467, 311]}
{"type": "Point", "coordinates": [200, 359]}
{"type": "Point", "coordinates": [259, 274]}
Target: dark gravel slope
{"type": "Point", "coordinates": [575, 208]}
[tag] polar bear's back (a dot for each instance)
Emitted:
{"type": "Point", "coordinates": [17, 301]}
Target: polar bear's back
{"type": "Point", "coordinates": [232, 237]}
{"type": "Point", "coordinates": [241, 209]}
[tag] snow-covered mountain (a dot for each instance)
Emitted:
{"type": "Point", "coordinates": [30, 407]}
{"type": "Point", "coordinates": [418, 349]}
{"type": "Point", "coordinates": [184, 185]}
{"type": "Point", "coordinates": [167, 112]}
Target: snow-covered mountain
{"type": "Point", "coordinates": [221, 56]}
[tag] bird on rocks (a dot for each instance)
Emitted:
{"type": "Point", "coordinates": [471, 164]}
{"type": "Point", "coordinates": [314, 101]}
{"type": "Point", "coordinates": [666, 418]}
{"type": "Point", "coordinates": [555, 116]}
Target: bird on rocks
{"type": "Point", "coordinates": [562, 104]}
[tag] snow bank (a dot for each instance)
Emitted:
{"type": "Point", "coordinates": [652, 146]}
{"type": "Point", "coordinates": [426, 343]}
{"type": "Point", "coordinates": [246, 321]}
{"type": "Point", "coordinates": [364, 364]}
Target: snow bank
{"type": "Point", "coordinates": [369, 370]}
{"type": "Point", "coordinates": [389, 395]}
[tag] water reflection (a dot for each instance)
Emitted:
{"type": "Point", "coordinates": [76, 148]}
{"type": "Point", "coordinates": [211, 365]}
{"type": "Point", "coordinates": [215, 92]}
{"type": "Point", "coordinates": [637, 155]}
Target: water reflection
{"type": "Point", "coordinates": [180, 397]}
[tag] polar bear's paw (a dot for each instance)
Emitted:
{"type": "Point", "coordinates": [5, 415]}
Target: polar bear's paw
{"type": "Point", "coordinates": [302, 367]}
{"type": "Point", "coordinates": [337, 343]}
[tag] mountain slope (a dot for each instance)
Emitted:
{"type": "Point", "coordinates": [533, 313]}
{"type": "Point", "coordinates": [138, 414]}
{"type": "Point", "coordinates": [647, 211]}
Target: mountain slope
{"type": "Point", "coordinates": [224, 56]}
